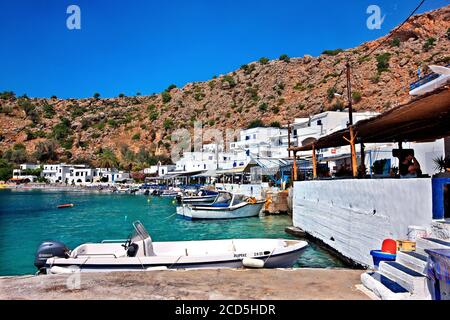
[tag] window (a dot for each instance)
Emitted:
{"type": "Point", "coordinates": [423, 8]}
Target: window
{"type": "Point", "coordinates": [319, 122]}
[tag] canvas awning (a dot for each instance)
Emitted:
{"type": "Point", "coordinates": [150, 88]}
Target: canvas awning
{"type": "Point", "coordinates": [426, 118]}
{"type": "Point", "coordinates": [206, 174]}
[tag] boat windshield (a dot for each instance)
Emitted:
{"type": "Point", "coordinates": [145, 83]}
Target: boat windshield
{"type": "Point", "coordinates": [238, 198]}
{"type": "Point", "coordinates": [140, 233]}
{"type": "Point", "coordinates": [223, 197]}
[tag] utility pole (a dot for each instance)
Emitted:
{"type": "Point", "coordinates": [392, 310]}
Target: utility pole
{"type": "Point", "coordinates": [349, 92]}
{"type": "Point", "coordinates": [350, 123]}
{"type": "Point", "coordinates": [289, 139]}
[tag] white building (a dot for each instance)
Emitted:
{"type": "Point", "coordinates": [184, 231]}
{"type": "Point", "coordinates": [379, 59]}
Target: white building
{"type": "Point", "coordinates": [29, 166]}
{"type": "Point", "coordinates": [18, 174]}
{"type": "Point", "coordinates": [110, 175]}
{"type": "Point", "coordinates": [262, 143]}
{"type": "Point", "coordinates": [57, 173]}
{"type": "Point", "coordinates": [79, 175]}
{"type": "Point", "coordinates": [306, 130]}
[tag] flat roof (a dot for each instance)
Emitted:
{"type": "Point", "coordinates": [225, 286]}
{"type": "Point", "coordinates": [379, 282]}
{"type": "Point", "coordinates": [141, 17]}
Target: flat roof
{"type": "Point", "coordinates": [425, 118]}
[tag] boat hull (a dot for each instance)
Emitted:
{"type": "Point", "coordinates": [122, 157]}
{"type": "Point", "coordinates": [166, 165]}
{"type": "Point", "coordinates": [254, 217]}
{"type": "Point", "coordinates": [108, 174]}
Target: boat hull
{"type": "Point", "coordinates": [206, 212]}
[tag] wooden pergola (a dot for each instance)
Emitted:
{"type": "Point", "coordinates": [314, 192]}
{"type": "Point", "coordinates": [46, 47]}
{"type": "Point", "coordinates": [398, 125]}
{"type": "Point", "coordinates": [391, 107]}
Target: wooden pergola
{"type": "Point", "coordinates": [425, 118]}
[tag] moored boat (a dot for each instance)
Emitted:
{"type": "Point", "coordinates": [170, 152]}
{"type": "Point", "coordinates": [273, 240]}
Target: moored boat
{"type": "Point", "coordinates": [203, 196]}
{"type": "Point", "coordinates": [140, 253]}
{"type": "Point", "coordinates": [226, 206]}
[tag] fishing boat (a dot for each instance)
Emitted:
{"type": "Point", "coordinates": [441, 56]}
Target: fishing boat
{"type": "Point", "coordinates": [140, 253]}
{"type": "Point", "coordinates": [227, 205]}
{"type": "Point", "coordinates": [202, 196]}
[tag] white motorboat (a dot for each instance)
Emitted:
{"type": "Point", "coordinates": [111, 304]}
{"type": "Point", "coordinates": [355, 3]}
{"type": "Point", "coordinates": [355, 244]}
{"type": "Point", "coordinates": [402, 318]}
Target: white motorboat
{"type": "Point", "coordinates": [139, 253]}
{"type": "Point", "coordinates": [123, 189]}
{"type": "Point", "coordinates": [226, 206]}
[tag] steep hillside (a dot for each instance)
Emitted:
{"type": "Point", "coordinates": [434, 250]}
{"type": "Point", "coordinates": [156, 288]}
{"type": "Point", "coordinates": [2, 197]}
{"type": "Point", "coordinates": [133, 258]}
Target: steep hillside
{"type": "Point", "coordinates": [137, 128]}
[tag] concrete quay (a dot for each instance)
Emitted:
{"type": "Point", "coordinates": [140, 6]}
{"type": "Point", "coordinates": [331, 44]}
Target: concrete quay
{"type": "Point", "coordinates": [223, 284]}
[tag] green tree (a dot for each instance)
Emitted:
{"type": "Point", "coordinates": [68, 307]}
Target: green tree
{"type": "Point", "coordinates": [264, 60]}
{"type": "Point", "coordinates": [356, 95]}
{"type": "Point", "coordinates": [285, 58]}
{"type": "Point", "coordinates": [46, 150]}
{"type": "Point", "coordinates": [49, 111]}
{"type": "Point", "coordinates": [257, 123]}
{"type": "Point", "coordinates": [6, 170]}
{"type": "Point", "coordinates": [275, 124]}
{"type": "Point", "coordinates": [166, 97]}
{"type": "Point", "coordinates": [96, 95]}
{"type": "Point", "coordinates": [171, 87]}
{"type": "Point", "coordinates": [168, 123]}
{"type": "Point", "coordinates": [230, 80]}
{"type": "Point", "coordinates": [429, 43]}
{"type": "Point", "coordinates": [334, 52]}
{"type": "Point", "coordinates": [395, 42]}
{"type": "Point", "coordinates": [153, 115]}
{"type": "Point", "coordinates": [136, 136]}
{"type": "Point", "coordinates": [7, 95]}
{"type": "Point", "coordinates": [383, 62]}
{"type": "Point", "coordinates": [330, 93]}
{"type": "Point", "coordinates": [263, 107]}
{"type": "Point", "coordinates": [107, 159]}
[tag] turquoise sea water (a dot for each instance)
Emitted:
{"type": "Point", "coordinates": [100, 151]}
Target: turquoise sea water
{"type": "Point", "coordinates": [29, 217]}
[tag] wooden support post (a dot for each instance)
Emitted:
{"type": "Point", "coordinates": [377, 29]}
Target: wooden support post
{"type": "Point", "coordinates": [294, 167]}
{"type": "Point", "coordinates": [314, 159]}
{"type": "Point", "coordinates": [353, 148]}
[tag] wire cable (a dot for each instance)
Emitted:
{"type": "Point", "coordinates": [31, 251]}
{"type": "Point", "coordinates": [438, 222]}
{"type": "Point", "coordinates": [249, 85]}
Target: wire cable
{"type": "Point", "coordinates": [384, 40]}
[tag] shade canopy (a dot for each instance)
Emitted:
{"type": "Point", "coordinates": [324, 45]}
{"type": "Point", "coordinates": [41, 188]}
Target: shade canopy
{"type": "Point", "coordinates": [426, 118]}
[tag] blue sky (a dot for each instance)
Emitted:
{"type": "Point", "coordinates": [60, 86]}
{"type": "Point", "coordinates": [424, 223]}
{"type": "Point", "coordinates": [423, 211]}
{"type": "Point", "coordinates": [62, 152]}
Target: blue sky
{"type": "Point", "coordinates": [146, 45]}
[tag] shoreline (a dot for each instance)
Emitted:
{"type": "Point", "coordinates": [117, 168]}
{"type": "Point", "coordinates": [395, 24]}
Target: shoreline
{"type": "Point", "coordinates": [57, 187]}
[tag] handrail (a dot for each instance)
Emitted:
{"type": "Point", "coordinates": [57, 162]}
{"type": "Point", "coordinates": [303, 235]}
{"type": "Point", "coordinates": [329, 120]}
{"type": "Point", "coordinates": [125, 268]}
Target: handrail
{"type": "Point", "coordinates": [114, 241]}
{"type": "Point", "coordinates": [97, 254]}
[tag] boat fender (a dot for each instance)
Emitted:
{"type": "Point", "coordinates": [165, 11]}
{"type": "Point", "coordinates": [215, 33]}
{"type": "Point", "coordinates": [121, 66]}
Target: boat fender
{"type": "Point", "coordinates": [253, 263]}
{"type": "Point", "coordinates": [156, 268]}
{"type": "Point", "coordinates": [61, 270]}
{"type": "Point", "coordinates": [267, 204]}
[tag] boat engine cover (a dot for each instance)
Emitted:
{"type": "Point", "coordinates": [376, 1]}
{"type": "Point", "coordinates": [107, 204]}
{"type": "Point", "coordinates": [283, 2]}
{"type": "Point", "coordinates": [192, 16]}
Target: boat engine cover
{"type": "Point", "coordinates": [50, 249]}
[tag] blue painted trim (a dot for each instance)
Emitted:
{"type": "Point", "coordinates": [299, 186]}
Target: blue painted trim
{"type": "Point", "coordinates": [438, 196]}
{"type": "Point", "coordinates": [405, 269]}
{"type": "Point", "coordinates": [388, 283]}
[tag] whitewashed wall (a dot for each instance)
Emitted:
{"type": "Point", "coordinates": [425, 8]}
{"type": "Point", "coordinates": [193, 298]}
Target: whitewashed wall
{"type": "Point", "coordinates": [250, 190]}
{"type": "Point", "coordinates": [360, 214]}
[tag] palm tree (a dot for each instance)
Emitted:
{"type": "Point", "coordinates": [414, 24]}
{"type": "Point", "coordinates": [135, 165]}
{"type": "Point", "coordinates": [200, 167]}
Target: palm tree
{"type": "Point", "coordinates": [107, 159]}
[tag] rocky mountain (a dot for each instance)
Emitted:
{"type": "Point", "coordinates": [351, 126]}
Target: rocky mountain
{"type": "Point", "coordinates": [136, 129]}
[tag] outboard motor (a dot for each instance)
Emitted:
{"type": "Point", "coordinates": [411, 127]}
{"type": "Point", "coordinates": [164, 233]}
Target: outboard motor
{"type": "Point", "coordinates": [50, 249]}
